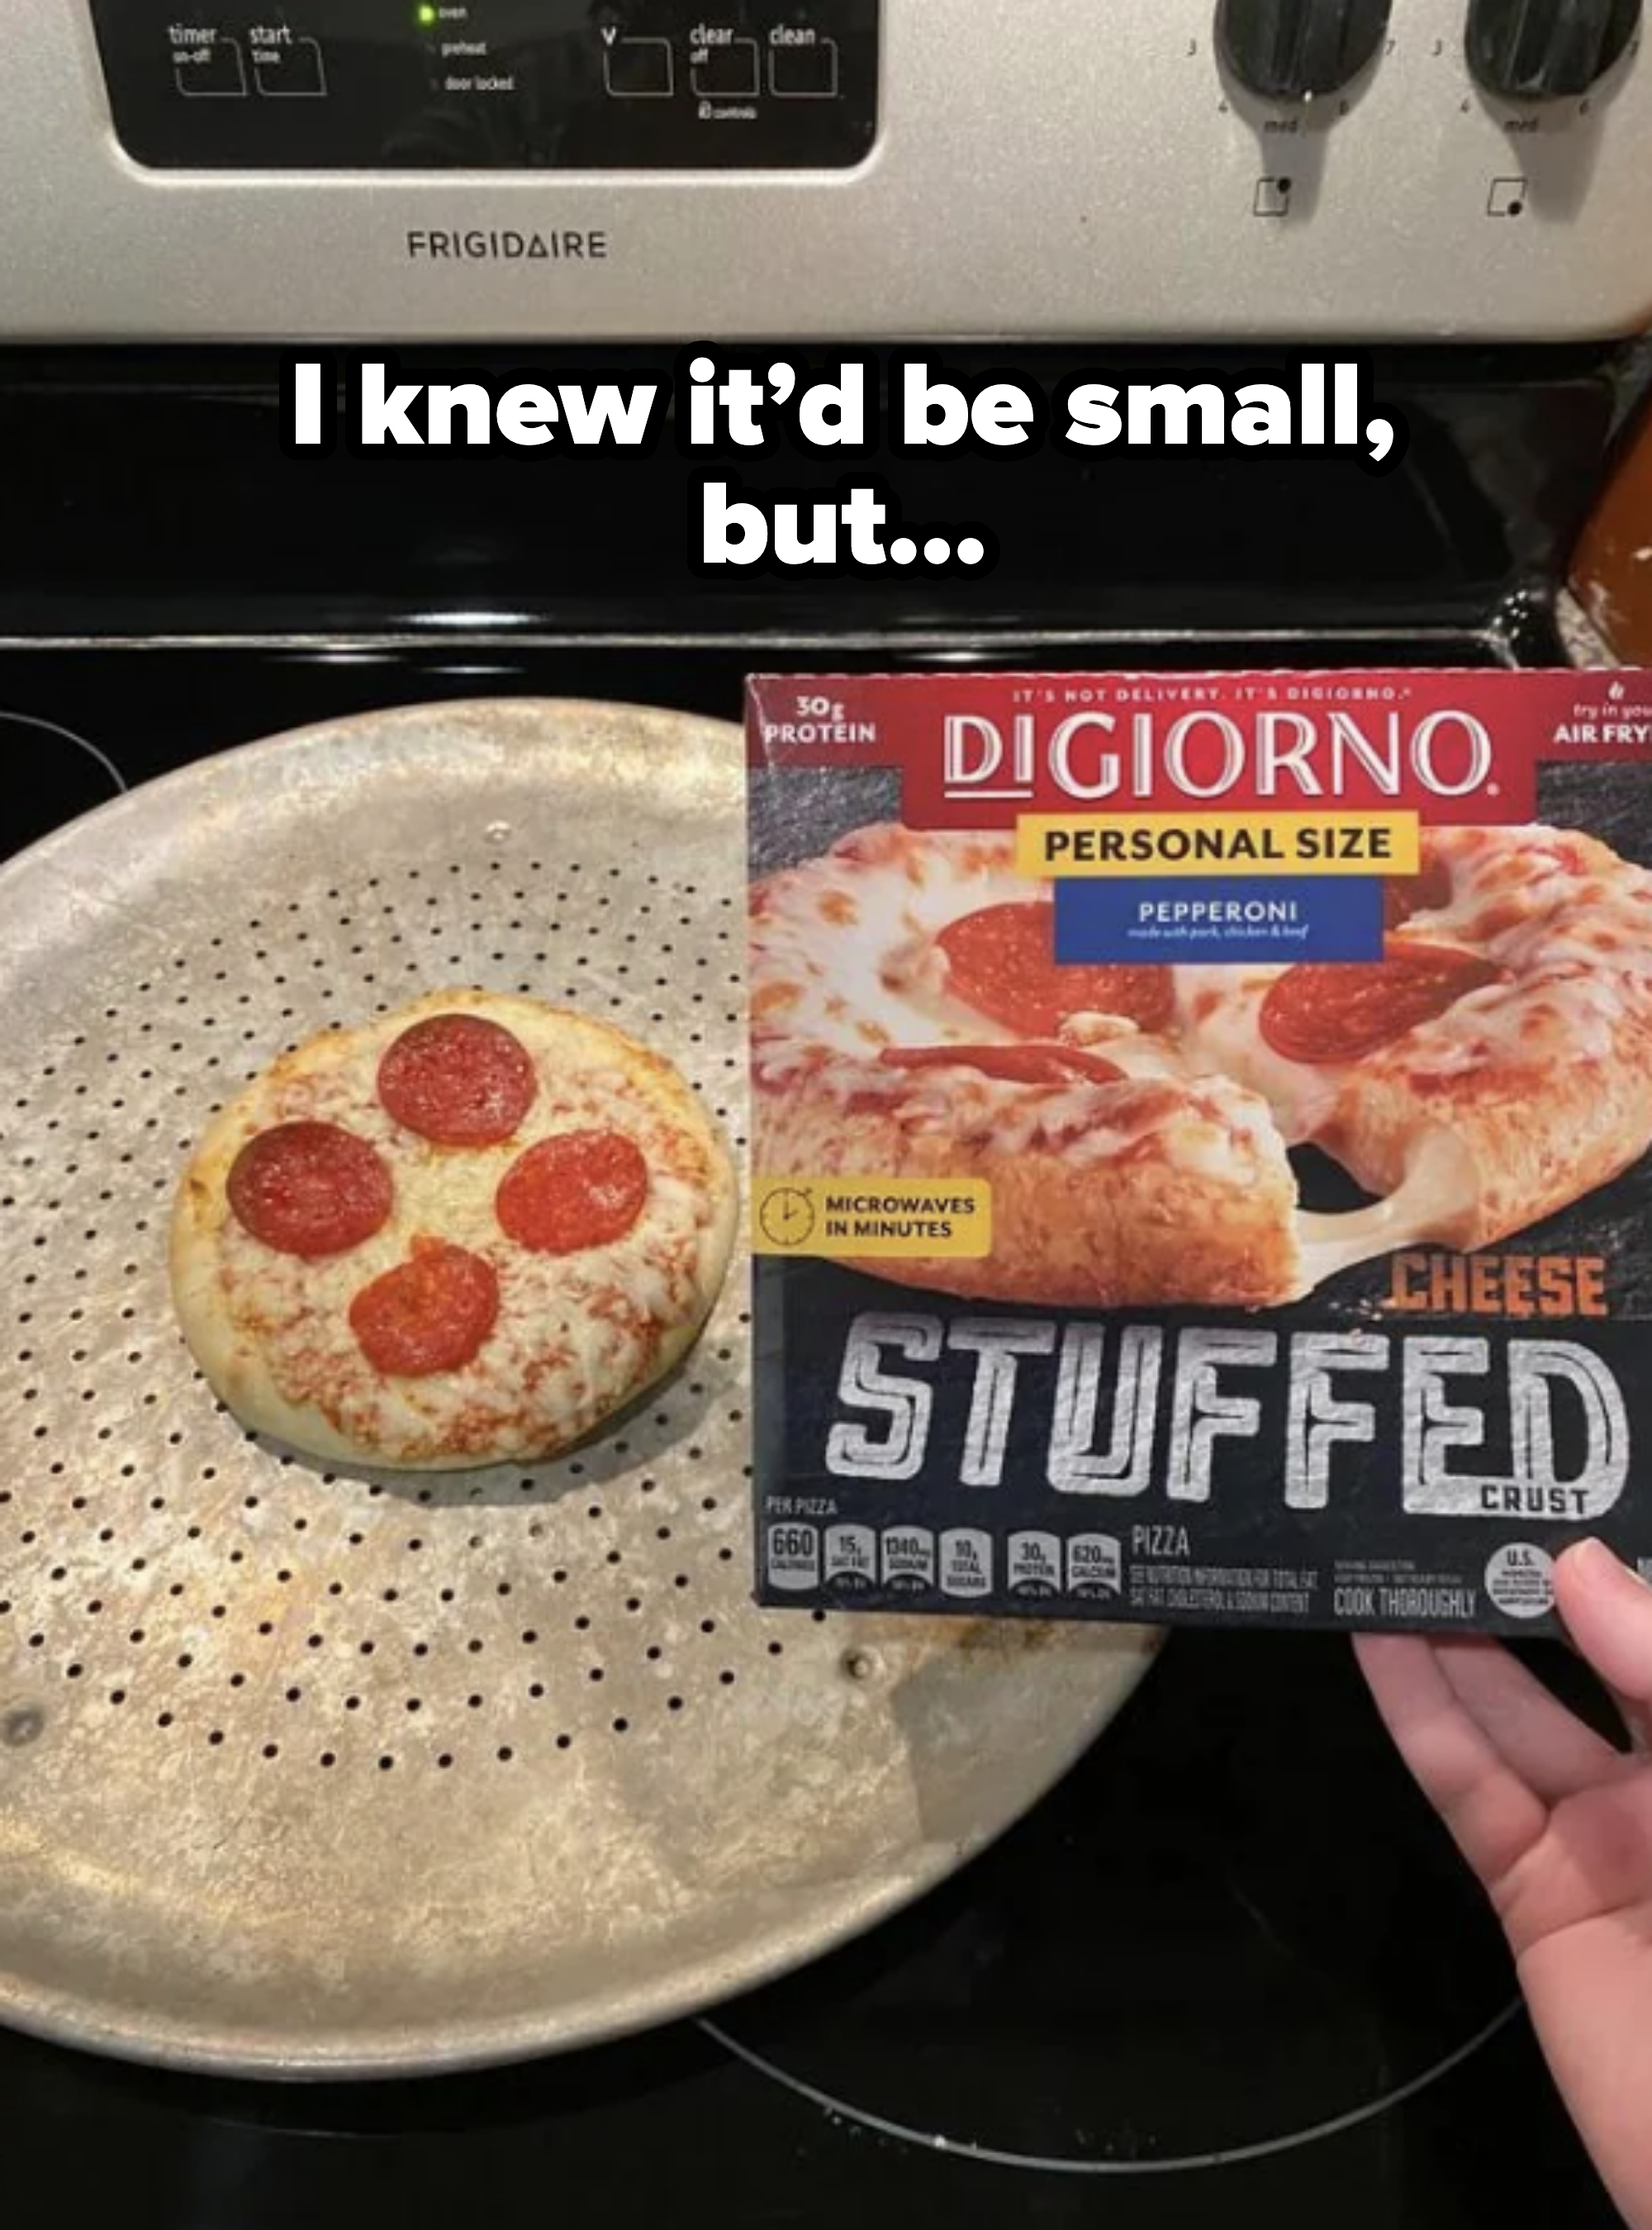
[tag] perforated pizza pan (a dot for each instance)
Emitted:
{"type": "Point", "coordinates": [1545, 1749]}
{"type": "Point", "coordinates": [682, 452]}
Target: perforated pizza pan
{"type": "Point", "coordinates": [316, 1774]}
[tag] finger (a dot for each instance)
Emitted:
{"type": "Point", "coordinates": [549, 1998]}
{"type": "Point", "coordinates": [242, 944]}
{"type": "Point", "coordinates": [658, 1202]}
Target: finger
{"type": "Point", "coordinates": [1494, 1816]}
{"type": "Point", "coordinates": [1551, 1750]}
{"type": "Point", "coordinates": [1607, 1609]}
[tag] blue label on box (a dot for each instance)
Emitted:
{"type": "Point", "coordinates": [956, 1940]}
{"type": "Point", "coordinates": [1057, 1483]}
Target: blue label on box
{"type": "Point", "coordinates": [1261, 918]}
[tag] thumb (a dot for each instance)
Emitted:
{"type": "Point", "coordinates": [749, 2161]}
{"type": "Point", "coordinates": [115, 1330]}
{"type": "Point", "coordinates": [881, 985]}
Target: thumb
{"type": "Point", "coordinates": [1607, 1609]}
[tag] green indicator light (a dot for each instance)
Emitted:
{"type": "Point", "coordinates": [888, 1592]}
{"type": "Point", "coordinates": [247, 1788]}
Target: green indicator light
{"type": "Point", "coordinates": [427, 17]}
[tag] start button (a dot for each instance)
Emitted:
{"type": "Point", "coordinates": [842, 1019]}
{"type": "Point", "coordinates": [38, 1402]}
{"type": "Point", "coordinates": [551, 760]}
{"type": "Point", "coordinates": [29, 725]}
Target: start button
{"type": "Point", "coordinates": [285, 68]}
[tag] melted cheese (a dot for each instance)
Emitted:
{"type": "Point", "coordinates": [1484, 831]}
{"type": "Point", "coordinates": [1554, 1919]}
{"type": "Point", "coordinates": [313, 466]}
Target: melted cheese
{"type": "Point", "coordinates": [1439, 1185]}
{"type": "Point", "coordinates": [847, 949]}
{"type": "Point", "coordinates": [851, 937]}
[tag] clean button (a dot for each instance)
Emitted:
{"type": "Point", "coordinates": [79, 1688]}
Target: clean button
{"type": "Point", "coordinates": [804, 73]}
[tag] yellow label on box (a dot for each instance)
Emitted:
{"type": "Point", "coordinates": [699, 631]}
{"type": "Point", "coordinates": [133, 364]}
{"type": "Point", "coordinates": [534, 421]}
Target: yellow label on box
{"type": "Point", "coordinates": [1153, 844]}
{"type": "Point", "coordinates": [863, 1217]}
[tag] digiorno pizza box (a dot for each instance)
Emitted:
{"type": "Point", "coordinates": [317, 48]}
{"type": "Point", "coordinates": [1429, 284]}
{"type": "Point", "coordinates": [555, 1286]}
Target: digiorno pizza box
{"type": "Point", "coordinates": [1200, 1146]}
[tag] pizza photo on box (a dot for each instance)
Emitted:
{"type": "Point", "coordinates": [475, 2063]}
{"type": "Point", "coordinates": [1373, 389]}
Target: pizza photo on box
{"type": "Point", "coordinates": [1135, 1122]}
{"type": "Point", "coordinates": [1464, 1046]}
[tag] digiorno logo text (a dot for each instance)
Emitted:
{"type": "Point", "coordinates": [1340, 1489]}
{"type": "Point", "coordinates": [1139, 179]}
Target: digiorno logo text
{"type": "Point", "coordinates": [1146, 757]}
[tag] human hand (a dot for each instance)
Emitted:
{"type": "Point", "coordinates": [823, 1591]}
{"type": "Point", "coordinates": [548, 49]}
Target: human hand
{"type": "Point", "coordinates": [1558, 1826]}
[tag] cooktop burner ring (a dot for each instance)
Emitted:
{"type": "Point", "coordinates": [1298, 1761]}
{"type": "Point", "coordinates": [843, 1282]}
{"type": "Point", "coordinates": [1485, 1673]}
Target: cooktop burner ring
{"type": "Point", "coordinates": [65, 789]}
{"type": "Point", "coordinates": [1068, 2164]}
{"type": "Point", "coordinates": [69, 736]}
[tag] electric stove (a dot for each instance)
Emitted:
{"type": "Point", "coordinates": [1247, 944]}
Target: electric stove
{"type": "Point", "coordinates": [1230, 1970]}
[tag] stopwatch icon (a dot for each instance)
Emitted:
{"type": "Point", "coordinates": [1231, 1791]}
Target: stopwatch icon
{"type": "Point", "coordinates": [787, 1216]}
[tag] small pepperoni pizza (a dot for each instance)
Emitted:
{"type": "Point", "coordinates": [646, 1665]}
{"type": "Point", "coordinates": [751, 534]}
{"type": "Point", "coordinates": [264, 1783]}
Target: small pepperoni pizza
{"type": "Point", "coordinates": [465, 1234]}
{"type": "Point", "coordinates": [1135, 1122]}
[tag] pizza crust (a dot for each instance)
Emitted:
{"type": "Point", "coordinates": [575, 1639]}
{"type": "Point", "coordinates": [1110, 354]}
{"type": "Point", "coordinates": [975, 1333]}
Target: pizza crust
{"type": "Point", "coordinates": [1175, 1183]}
{"type": "Point", "coordinates": [1532, 1093]}
{"type": "Point", "coordinates": [578, 1337]}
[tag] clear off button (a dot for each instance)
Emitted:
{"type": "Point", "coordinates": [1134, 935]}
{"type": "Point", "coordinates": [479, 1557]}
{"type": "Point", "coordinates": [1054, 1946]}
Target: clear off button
{"type": "Point", "coordinates": [212, 68]}
{"type": "Point", "coordinates": [725, 68]}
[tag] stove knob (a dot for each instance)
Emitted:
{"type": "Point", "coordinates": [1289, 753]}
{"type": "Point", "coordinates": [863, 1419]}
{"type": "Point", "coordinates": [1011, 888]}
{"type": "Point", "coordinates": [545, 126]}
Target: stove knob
{"type": "Point", "coordinates": [1546, 49]}
{"type": "Point", "coordinates": [1293, 49]}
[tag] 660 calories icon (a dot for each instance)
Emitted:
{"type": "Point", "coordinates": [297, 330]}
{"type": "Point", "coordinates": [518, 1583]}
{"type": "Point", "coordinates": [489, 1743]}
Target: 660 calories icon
{"type": "Point", "coordinates": [793, 1555]}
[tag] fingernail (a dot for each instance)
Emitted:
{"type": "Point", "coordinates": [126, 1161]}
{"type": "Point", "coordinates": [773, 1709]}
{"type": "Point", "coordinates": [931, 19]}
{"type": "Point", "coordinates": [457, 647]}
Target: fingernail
{"type": "Point", "coordinates": [1598, 1563]}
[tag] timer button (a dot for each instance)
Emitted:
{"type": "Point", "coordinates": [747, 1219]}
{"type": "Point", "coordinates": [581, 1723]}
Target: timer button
{"type": "Point", "coordinates": [213, 69]}
{"type": "Point", "coordinates": [1546, 49]}
{"type": "Point", "coordinates": [803, 69]}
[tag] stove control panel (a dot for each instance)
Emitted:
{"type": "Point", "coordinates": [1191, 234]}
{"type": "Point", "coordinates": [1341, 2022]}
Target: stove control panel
{"type": "Point", "coordinates": [1161, 172]}
{"type": "Point", "coordinates": [493, 85]}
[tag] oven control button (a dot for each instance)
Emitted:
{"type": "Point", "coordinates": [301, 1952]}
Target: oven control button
{"type": "Point", "coordinates": [802, 64]}
{"type": "Point", "coordinates": [1546, 49]}
{"type": "Point", "coordinates": [1296, 49]}
{"type": "Point", "coordinates": [638, 70]}
{"type": "Point", "coordinates": [285, 68]}
{"type": "Point", "coordinates": [728, 68]}
{"type": "Point", "coordinates": [210, 68]}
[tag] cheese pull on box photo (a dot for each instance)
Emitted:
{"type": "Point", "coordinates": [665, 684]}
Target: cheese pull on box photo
{"type": "Point", "coordinates": [1202, 1142]}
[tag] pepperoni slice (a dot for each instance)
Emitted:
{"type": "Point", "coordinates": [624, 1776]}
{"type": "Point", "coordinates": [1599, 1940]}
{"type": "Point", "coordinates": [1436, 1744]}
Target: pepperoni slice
{"type": "Point", "coordinates": [458, 1080]}
{"type": "Point", "coordinates": [1331, 1011]}
{"type": "Point", "coordinates": [309, 1189]}
{"type": "Point", "coordinates": [1012, 1063]}
{"type": "Point", "coordinates": [1405, 895]}
{"type": "Point", "coordinates": [1001, 961]}
{"type": "Point", "coordinates": [431, 1312]}
{"type": "Point", "coordinates": [578, 1189]}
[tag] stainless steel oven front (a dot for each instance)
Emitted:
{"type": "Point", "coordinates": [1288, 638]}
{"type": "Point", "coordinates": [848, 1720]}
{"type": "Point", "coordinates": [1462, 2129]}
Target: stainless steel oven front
{"type": "Point", "coordinates": [631, 168]}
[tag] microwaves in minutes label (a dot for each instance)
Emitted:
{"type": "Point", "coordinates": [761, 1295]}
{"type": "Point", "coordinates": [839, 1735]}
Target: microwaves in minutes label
{"type": "Point", "coordinates": [1410, 1443]}
{"type": "Point", "coordinates": [863, 1218]}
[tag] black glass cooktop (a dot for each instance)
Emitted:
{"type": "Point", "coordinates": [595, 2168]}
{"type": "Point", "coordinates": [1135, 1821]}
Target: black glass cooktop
{"type": "Point", "coordinates": [1230, 1971]}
